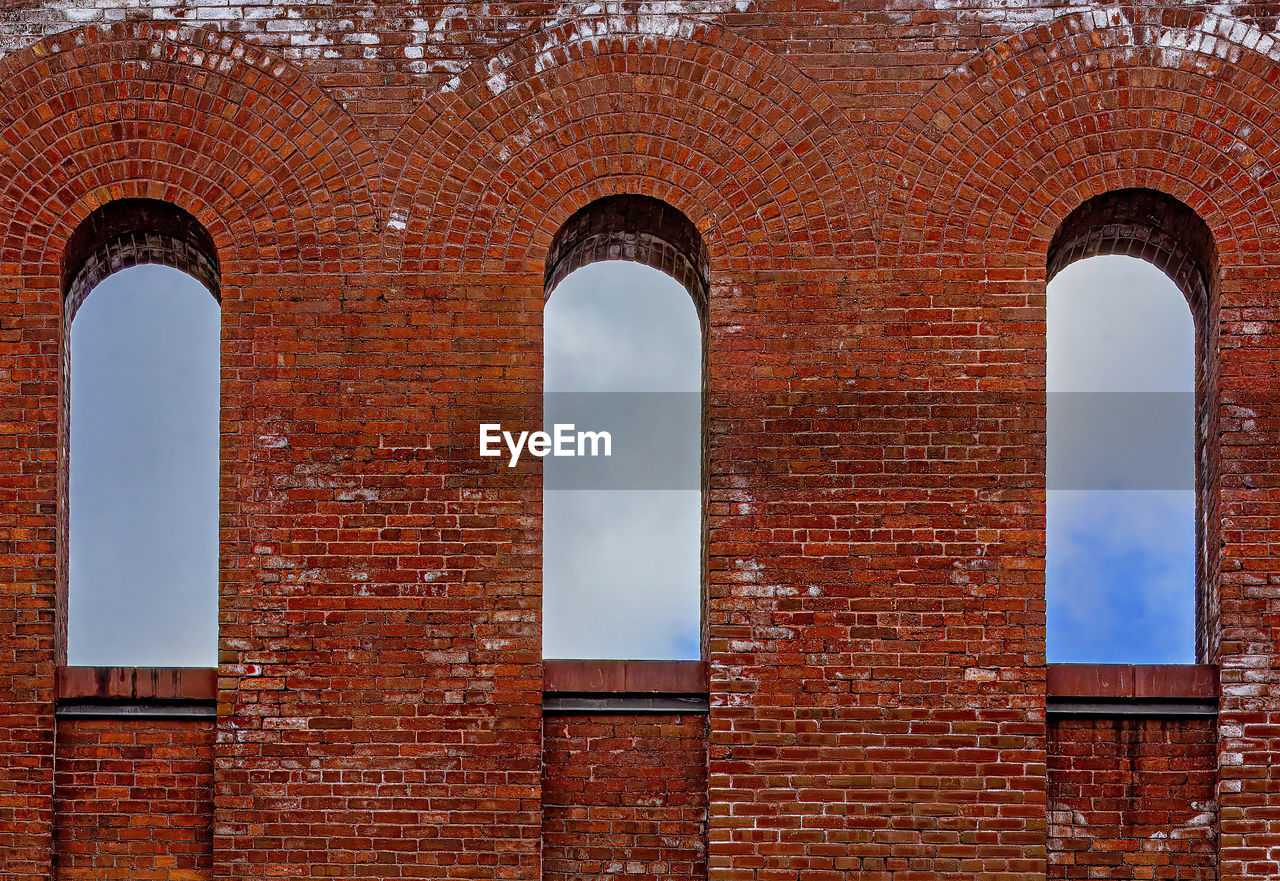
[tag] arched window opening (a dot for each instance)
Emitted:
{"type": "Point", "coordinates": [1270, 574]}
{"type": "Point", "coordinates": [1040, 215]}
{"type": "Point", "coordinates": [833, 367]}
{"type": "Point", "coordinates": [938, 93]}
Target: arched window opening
{"type": "Point", "coordinates": [623, 350]}
{"type": "Point", "coordinates": [1131, 282]}
{"type": "Point", "coordinates": [142, 441]}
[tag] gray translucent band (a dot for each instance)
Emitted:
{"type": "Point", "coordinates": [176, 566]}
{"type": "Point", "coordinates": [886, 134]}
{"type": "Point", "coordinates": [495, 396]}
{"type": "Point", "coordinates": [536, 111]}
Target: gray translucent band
{"type": "Point", "coordinates": [847, 441]}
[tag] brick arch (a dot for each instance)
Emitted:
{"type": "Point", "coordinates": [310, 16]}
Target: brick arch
{"type": "Point", "coordinates": [1146, 224]}
{"type": "Point", "coordinates": [756, 155]}
{"type": "Point", "coordinates": [1165, 232]}
{"type": "Point", "coordinates": [133, 232]}
{"type": "Point", "coordinates": [999, 153]}
{"type": "Point", "coordinates": [637, 228]}
{"type": "Point", "coordinates": [241, 140]}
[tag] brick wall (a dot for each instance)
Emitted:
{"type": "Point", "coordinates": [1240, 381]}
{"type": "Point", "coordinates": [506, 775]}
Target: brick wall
{"type": "Point", "coordinates": [877, 187]}
{"type": "Point", "coordinates": [1133, 799]}
{"type": "Point", "coordinates": [624, 795]}
{"type": "Point", "coordinates": [134, 800]}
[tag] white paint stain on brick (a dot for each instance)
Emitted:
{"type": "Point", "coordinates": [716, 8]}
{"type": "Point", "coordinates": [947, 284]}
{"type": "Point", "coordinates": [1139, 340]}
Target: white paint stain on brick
{"type": "Point", "coordinates": [435, 40]}
{"type": "Point", "coordinates": [498, 81]}
{"type": "Point", "coordinates": [765, 591]}
{"type": "Point", "coordinates": [592, 22]}
{"type": "Point", "coordinates": [1246, 662]}
{"type": "Point", "coordinates": [1223, 34]}
{"type": "Point", "coordinates": [750, 570]}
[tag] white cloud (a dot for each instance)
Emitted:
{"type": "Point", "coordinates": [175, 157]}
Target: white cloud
{"type": "Point", "coordinates": [1120, 570]}
{"type": "Point", "coordinates": [1118, 324]}
{"type": "Point", "coordinates": [621, 568]}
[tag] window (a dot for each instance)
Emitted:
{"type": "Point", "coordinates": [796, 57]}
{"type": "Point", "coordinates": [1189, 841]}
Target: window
{"type": "Point", "coordinates": [623, 351]}
{"type": "Point", "coordinates": [1125, 378]}
{"type": "Point", "coordinates": [142, 450]}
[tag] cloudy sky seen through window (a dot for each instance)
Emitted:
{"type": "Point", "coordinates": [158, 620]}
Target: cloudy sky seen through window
{"type": "Point", "coordinates": [621, 567]}
{"type": "Point", "coordinates": [143, 543]}
{"type": "Point", "coordinates": [1120, 563]}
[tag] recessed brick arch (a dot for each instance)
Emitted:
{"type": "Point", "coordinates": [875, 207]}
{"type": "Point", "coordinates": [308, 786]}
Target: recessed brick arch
{"type": "Point", "coordinates": [992, 163]}
{"type": "Point", "coordinates": [1165, 98]}
{"type": "Point", "coordinates": [637, 228]}
{"type": "Point", "coordinates": [1146, 224]}
{"type": "Point", "coordinates": [119, 235]}
{"type": "Point", "coordinates": [243, 143]}
{"type": "Point", "coordinates": [1165, 232]}
{"type": "Point", "coordinates": [997, 154]}
{"type": "Point", "coordinates": [756, 155]}
{"type": "Point", "coordinates": [134, 232]}
{"type": "Point", "coordinates": [268, 163]}
{"type": "Point", "coordinates": [231, 136]}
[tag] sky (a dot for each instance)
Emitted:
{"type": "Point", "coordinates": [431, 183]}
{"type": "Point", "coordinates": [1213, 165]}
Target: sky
{"type": "Point", "coordinates": [621, 566]}
{"type": "Point", "coordinates": [1120, 543]}
{"type": "Point", "coordinates": [143, 574]}
{"type": "Point", "coordinates": [621, 576]}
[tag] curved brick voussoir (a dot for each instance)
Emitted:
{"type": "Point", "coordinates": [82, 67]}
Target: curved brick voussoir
{"type": "Point", "coordinates": [240, 139]}
{"type": "Point", "coordinates": [991, 161]}
{"type": "Point", "coordinates": [755, 154]}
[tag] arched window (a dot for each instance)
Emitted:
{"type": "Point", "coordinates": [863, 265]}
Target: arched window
{"type": "Point", "coordinates": [142, 379]}
{"type": "Point", "coordinates": [623, 351]}
{"type": "Point", "coordinates": [1130, 273]}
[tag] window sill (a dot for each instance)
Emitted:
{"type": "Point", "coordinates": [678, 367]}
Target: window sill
{"type": "Point", "coordinates": [617, 686]}
{"type": "Point", "coordinates": [603, 686]}
{"type": "Point", "coordinates": [137, 692]}
{"type": "Point", "coordinates": [1132, 690]}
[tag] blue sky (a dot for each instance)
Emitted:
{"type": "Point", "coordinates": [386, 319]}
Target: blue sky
{"type": "Point", "coordinates": [621, 327]}
{"type": "Point", "coordinates": [144, 473]}
{"type": "Point", "coordinates": [1120, 563]}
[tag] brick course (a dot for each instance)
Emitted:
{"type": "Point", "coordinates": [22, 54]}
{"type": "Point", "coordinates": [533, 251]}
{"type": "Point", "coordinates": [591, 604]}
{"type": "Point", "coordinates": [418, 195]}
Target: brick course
{"type": "Point", "coordinates": [1133, 799]}
{"type": "Point", "coordinates": [624, 795]}
{"type": "Point", "coordinates": [134, 800]}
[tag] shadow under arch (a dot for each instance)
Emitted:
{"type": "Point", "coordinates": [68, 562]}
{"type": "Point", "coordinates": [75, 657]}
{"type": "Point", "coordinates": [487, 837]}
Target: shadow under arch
{"type": "Point", "coordinates": [134, 232]}
{"type": "Point", "coordinates": [1164, 231]}
{"type": "Point", "coordinates": [641, 229]}
{"type": "Point", "coordinates": [1143, 223]}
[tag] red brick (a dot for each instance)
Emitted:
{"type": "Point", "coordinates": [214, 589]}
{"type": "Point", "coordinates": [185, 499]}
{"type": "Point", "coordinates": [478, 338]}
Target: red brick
{"type": "Point", "coordinates": [1132, 799]}
{"type": "Point", "coordinates": [878, 194]}
{"type": "Point", "coordinates": [624, 795]}
{"type": "Point", "coordinates": [134, 800]}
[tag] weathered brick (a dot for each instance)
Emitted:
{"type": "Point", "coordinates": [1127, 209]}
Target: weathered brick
{"type": "Point", "coordinates": [875, 197]}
